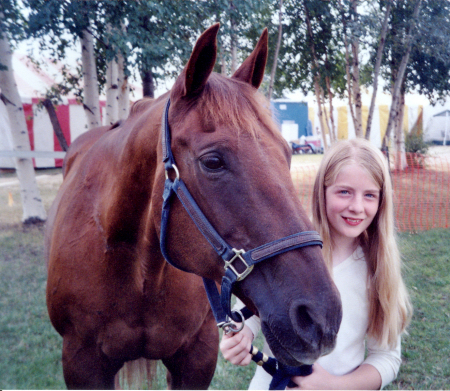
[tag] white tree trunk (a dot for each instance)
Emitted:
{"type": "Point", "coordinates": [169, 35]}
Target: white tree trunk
{"type": "Point", "coordinates": [277, 49]}
{"type": "Point", "coordinates": [399, 137]}
{"type": "Point", "coordinates": [393, 112]}
{"type": "Point", "coordinates": [124, 89]}
{"type": "Point", "coordinates": [33, 208]}
{"type": "Point", "coordinates": [112, 93]}
{"type": "Point", "coordinates": [355, 77]}
{"type": "Point", "coordinates": [91, 96]}
{"type": "Point", "coordinates": [376, 71]}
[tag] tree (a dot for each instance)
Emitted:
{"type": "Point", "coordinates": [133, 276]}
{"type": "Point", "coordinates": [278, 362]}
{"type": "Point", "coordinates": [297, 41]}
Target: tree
{"type": "Point", "coordinates": [376, 71]}
{"type": "Point", "coordinates": [50, 21]}
{"type": "Point", "coordinates": [11, 26]}
{"type": "Point", "coordinates": [277, 49]}
{"type": "Point", "coordinates": [398, 73]}
{"type": "Point", "coordinates": [428, 70]}
{"type": "Point", "coordinates": [311, 57]}
{"type": "Point", "coordinates": [241, 24]}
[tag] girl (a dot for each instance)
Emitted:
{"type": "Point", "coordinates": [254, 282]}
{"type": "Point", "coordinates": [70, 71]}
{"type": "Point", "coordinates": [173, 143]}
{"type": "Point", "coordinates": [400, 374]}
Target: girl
{"type": "Point", "coordinates": [353, 212]}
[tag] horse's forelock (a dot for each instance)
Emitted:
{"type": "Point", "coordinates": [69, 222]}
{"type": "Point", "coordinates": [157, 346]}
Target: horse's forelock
{"type": "Point", "coordinates": [229, 101]}
{"type": "Point", "coordinates": [235, 103]}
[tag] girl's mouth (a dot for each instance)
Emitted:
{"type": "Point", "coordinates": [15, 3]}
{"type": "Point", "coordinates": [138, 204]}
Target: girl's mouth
{"type": "Point", "coordinates": [353, 222]}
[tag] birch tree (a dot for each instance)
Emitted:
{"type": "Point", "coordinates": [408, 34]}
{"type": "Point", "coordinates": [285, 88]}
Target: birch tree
{"type": "Point", "coordinates": [91, 103]}
{"type": "Point", "coordinates": [397, 104]}
{"type": "Point", "coordinates": [277, 49]}
{"type": "Point", "coordinates": [33, 208]}
{"type": "Point", "coordinates": [376, 72]}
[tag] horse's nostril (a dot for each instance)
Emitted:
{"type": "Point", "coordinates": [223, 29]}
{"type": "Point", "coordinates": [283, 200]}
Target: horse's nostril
{"type": "Point", "coordinates": [303, 319]}
{"type": "Point", "coordinates": [306, 324]}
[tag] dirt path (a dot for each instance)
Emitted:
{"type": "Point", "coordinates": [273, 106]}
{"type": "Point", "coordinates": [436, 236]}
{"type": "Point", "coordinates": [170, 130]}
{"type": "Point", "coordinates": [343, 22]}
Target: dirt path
{"type": "Point", "coordinates": [12, 181]}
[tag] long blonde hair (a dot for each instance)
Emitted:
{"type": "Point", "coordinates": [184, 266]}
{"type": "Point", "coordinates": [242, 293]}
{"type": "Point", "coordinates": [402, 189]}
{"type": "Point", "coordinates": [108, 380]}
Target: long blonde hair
{"type": "Point", "coordinates": [390, 308]}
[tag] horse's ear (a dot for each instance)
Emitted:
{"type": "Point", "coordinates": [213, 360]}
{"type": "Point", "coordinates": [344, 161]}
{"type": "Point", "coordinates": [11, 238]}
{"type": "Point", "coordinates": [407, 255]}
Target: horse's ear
{"type": "Point", "coordinates": [201, 62]}
{"type": "Point", "coordinates": [252, 69]}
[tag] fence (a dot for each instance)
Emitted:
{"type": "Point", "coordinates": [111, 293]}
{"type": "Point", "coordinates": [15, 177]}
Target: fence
{"type": "Point", "coordinates": [421, 192]}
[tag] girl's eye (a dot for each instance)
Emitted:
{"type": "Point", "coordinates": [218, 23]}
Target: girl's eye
{"type": "Point", "coordinates": [344, 192]}
{"type": "Point", "coordinates": [212, 163]}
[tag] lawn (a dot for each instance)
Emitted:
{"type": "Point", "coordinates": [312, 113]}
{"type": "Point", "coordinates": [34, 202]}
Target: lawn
{"type": "Point", "coordinates": [31, 348]}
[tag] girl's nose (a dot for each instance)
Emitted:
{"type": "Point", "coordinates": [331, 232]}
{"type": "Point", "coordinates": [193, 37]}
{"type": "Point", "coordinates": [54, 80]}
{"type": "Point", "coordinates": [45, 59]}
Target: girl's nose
{"type": "Point", "coordinates": [356, 205]}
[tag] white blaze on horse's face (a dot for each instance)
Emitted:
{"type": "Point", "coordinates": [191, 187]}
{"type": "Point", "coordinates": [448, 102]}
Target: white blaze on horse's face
{"type": "Point", "coordinates": [235, 163]}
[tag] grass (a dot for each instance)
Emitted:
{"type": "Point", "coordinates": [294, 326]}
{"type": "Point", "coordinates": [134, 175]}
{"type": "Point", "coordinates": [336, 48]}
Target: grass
{"type": "Point", "coordinates": [31, 349]}
{"type": "Point", "coordinates": [426, 350]}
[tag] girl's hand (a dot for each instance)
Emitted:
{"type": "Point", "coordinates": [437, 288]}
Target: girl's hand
{"type": "Point", "coordinates": [236, 347]}
{"type": "Point", "coordinates": [319, 379]}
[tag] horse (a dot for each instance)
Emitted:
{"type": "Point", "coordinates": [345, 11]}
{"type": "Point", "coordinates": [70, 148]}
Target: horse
{"type": "Point", "coordinates": [112, 295]}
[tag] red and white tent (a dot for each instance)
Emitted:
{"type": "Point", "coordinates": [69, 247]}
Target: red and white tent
{"type": "Point", "coordinates": [32, 84]}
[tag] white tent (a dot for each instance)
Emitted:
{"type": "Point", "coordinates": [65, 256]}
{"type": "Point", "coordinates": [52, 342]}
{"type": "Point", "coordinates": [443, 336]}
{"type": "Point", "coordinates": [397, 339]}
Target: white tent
{"type": "Point", "coordinates": [445, 114]}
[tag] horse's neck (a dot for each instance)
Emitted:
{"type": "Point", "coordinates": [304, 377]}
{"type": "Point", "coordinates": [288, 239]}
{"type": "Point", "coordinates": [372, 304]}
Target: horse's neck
{"type": "Point", "coordinates": [128, 199]}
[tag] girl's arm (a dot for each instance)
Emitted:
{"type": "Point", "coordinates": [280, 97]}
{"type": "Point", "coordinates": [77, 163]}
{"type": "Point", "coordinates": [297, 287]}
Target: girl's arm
{"type": "Point", "coordinates": [386, 361]}
{"type": "Point", "coordinates": [365, 377]}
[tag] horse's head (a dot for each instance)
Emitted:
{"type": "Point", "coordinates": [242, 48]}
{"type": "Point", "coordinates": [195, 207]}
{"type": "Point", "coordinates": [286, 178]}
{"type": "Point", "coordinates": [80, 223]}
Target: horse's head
{"type": "Point", "coordinates": [233, 160]}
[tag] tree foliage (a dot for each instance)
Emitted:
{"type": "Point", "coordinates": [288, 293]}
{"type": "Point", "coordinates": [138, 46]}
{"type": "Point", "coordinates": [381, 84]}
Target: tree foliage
{"type": "Point", "coordinates": [155, 37]}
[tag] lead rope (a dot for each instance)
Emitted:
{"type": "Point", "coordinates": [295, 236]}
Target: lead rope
{"type": "Point", "coordinates": [281, 374]}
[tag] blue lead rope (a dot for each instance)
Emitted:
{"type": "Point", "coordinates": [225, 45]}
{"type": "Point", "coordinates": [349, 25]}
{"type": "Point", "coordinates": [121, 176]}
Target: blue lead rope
{"type": "Point", "coordinates": [281, 374]}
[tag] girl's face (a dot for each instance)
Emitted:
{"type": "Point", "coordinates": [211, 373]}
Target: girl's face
{"type": "Point", "coordinates": [351, 203]}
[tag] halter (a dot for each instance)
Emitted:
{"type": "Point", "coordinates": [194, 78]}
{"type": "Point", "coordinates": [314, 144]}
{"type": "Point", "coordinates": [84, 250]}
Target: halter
{"type": "Point", "coordinates": [220, 303]}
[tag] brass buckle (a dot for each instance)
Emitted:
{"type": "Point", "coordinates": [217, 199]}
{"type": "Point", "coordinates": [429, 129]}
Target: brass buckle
{"type": "Point", "coordinates": [229, 264]}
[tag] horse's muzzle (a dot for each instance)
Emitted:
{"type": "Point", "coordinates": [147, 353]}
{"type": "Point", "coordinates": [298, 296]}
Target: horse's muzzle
{"type": "Point", "coordinates": [311, 334]}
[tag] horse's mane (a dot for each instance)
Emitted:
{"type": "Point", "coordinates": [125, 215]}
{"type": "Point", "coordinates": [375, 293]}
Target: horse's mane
{"type": "Point", "coordinates": [236, 103]}
{"type": "Point", "coordinates": [140, 105]}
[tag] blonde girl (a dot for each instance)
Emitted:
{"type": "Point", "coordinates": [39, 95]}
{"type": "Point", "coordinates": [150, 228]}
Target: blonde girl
{"type": "Point", "coordinates": [353, 212]}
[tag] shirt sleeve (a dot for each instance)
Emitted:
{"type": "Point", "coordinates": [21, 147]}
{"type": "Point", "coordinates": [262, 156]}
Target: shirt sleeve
{"type": "Point", "coordinates": [254, 322]}
{"type": "Point", "coordinates": [386, 361]}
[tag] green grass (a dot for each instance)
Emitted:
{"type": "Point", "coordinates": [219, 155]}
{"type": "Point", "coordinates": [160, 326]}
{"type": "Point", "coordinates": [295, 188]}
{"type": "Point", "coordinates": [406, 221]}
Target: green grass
{"type": "Point", "coordinates": [426, 350]}
{"type": "Point", "coordinates": [30, 349]}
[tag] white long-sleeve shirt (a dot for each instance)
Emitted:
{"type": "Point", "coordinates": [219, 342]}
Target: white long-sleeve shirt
{"type": "Point", "coordinates": [350, 277]}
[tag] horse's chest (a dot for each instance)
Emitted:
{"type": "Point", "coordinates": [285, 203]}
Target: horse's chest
{"type": "Point", "coordinates": [174, 315]}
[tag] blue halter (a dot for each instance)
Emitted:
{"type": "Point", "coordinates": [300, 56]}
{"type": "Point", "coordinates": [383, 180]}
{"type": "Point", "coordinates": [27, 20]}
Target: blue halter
{"type": "Point", "coordinates": [221, 303]}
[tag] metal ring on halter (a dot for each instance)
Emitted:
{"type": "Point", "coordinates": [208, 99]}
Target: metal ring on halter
{"type": "Point", "coordinates": [230, 327]}
{"type": "Point", "coordinates": [177, 173]}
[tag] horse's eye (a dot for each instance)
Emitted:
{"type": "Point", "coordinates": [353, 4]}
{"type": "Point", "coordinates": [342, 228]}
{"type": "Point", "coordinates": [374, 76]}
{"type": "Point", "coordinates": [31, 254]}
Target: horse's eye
{"type": "Point", "coordinates": [213, 163]}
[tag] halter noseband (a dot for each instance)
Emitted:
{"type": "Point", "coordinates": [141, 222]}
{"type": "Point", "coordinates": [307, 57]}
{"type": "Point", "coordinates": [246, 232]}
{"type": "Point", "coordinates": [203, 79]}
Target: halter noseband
{"type": "Point", "coordinates": [220, 303]}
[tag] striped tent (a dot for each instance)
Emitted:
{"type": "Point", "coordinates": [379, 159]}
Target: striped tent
{"type": "Point", "coordinates": [32, 84]}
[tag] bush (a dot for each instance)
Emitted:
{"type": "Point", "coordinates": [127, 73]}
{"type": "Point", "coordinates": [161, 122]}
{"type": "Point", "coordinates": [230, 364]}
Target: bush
{"type": "Point", "coordinates": [415, 148]}
{"type": "Point", "coordinates": [414, 143]}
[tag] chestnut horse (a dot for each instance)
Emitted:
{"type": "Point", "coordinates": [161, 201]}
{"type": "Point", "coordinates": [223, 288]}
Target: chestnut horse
{"type": "Point", "coordinates": [111, 294]}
